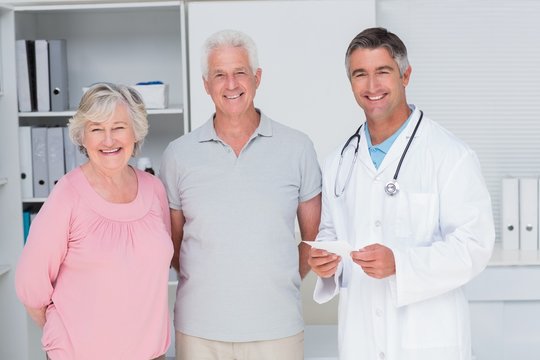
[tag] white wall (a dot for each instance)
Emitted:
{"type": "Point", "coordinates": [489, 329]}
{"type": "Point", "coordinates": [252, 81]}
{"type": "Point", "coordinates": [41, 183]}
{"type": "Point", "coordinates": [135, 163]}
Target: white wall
{"type": "Point", "coordinates": [301, 48]}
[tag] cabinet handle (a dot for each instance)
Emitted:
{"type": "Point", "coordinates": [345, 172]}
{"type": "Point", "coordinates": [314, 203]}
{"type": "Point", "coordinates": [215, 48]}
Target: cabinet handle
{"type": "Point", "coordinates": [3, 181]}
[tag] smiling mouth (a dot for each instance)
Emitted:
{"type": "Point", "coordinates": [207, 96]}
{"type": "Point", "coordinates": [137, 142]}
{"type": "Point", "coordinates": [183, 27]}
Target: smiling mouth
{"type": "Point", "coordinates": [375, 98]}
{"type": "Point", "coordinates": [110, 151]}
{"type": "Point", "coordinates": [233, 97]}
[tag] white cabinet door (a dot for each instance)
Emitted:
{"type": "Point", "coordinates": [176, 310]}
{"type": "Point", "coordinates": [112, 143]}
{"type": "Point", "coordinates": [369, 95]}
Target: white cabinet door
{"type": "Point", "coordinates": [301, 47]}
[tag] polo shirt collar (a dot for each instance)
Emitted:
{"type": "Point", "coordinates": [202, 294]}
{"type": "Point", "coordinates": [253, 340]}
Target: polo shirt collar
{"type": "Point", "coordinates": [208, 132]}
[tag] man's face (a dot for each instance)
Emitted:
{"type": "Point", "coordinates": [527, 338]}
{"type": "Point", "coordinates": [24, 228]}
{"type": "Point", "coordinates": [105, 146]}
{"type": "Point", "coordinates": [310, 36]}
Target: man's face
{"type": "Point", "coordinates": [376, 83]}
{"type": "Point", "coordinates": [231, 83]}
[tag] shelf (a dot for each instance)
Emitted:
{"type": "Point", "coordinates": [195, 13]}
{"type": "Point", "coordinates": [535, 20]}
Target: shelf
{"type": "Point", "coordinates": [69, 113]}
{"type": "Point", "coordinates": [4, 269]}
{"type": "Point", "coordinates": [501, 257]}
{"type": "Point", "coordinates": [34, 200]}
{"type": "Point", "coordinates": [98, 6]}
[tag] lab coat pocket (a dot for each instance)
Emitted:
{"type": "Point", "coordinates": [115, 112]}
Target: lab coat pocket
{"type": "Point", "coordinates": [416, 217]}
{"type": "Point", "coordinates": [431, 323]}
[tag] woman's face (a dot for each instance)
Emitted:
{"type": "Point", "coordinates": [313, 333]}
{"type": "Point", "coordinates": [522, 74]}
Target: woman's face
{"type": "Point", "coordinates": [110, 144]}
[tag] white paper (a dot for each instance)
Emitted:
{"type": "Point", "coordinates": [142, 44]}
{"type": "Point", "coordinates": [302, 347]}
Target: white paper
{"type": "Point", "coordinates": [338, 247]}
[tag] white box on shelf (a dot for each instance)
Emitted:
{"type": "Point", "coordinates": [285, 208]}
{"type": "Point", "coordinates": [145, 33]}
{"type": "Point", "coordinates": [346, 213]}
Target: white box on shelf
{"type": "Point", "coordinates": [155, 96]}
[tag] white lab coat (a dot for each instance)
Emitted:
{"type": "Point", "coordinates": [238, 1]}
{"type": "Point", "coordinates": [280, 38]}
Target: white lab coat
{"type": "Point", "coordinates": [440, 228]}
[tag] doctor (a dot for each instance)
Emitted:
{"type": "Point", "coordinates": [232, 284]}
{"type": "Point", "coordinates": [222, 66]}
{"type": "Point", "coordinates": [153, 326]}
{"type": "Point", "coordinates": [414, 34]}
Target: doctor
{"type": "Point", "coordinates": [411, 198]}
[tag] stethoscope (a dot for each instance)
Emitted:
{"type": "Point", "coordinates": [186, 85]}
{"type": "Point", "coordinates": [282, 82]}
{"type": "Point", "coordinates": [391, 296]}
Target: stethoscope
{"type": "Point", "coordinates": [392, 187]}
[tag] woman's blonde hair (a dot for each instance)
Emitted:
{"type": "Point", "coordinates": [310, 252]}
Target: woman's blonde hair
{"type": "Point", "coordinates": [98, 105]}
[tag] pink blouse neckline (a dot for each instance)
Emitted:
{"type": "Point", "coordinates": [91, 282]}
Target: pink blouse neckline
{"type": "Point", "coordinates": [131, 211]}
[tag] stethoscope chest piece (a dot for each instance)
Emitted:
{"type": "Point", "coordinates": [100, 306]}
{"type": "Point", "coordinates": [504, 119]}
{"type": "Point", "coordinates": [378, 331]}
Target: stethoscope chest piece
{"type": "Point", "coordinates": [391, 188]}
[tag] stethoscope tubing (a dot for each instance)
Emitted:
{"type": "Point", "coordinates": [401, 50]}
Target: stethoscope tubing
{"type": "Point", "coordinates": [392, 187]}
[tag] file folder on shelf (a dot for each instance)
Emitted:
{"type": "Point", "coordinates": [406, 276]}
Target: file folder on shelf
{"type": "Point", "coordinates": [528, 211]}
{"type": "Point", "coordinates": [70, 160]}
{"type": "Point", "coordinates": [510, 213]}
{"type": "Point", "coordinates": [39, 162]}
{"type": "Point", "coordinates": [42, 75]}
{"type": "Point", "coordinates": [25, 156]}
{"type": "Point", "coordinates": [23, 77]}
{"type": "Point", "coordinates": [55, 155]}
{"type": "Point", "coordinates": [58, 75]}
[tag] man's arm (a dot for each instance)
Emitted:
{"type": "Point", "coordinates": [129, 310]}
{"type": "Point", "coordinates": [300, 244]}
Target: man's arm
{"type": "Point", "coordinates": [177, 233]}
{"type": "Point", "coordinates": [309, 218]}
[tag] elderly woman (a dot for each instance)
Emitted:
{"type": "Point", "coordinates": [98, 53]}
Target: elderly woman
{"type": "Point", "coordinates": [94, 270]}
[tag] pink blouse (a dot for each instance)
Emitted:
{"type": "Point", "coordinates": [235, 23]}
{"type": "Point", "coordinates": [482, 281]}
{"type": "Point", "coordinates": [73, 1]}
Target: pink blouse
{"type": "Point", "coordinates": [101, 269]}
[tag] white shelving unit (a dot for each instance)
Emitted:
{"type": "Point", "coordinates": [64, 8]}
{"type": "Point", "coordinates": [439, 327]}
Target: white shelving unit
{"type": "Point", "coordinates": [123, 42]}
{"type": "Point", "coordinates": [4, 269]}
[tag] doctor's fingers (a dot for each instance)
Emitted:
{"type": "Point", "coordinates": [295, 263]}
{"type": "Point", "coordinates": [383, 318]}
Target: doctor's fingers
{"type": "Point", "coordinates": [327, 269]}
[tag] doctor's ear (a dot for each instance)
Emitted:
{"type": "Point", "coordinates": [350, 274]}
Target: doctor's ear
{"type": "Point", "coordinates": [406, 76]}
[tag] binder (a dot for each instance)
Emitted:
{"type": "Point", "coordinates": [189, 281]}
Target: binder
{"type": "Point", "coordinates": [528, 211]}
{"type": "Point", "coordinates": [70, 161]}
{"type": "Point", "coordinates": [25, 158]}
{"type": "Point", "coordinates": [58, 75]}
{"type": "Point", "coordinates": [39, 162]}
{"type": "Point", "coordinates": [510, 213]}
{"type": "Point", "coordinates": [31, 59]}
{"type": "Point", "coordinates": [23, 80]}
{"type": "Point", "coordinates": [41, 48]}
{"type": "Point", "coordinates": [55, 155]}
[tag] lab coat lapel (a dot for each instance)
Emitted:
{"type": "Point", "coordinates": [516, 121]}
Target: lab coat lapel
{"type": "Point", "coordinates": [396, 150]}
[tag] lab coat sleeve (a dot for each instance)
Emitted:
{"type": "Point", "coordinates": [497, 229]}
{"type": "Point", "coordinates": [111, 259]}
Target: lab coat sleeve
{"type": "Point", "coordinates": [467, 237]}
{"type": "Point", "coordinates": [327, 288]}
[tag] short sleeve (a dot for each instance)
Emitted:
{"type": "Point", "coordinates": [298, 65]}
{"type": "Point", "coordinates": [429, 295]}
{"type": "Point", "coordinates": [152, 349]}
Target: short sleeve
{"type": "Point", "coordinates": [310, 172]}
{"type": "Point", "coordinates": [46, 248]}
{"type": "Point", "coordinates": [168, 174]}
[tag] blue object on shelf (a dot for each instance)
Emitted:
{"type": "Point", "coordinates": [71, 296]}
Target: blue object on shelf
{"type": "Point", "coordinates": [26, 224]}
{"type": "Point", "coordinates": [156, 82]}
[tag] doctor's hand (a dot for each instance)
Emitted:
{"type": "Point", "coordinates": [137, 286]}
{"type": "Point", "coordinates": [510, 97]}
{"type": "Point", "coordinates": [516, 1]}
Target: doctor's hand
{"type": "Point", "coordinates": [322, 262]}
{"type": "Point", "coordinates": [376, 260]}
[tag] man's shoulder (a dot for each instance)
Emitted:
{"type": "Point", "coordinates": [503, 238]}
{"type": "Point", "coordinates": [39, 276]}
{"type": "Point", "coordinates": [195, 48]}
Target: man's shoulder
{"type": "Point", "coordinates": [284, 131]}
{"type": "Point", "coordinates": [444, 141]}
{"type": "Point", "coordinates": [188, 140]}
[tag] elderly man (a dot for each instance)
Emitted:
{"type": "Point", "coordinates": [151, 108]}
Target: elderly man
{"type": "Point", "coordinates": [235, 187]}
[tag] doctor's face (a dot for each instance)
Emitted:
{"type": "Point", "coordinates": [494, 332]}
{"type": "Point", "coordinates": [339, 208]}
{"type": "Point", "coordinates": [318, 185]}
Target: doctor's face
{"type": "Point", "coordinates": [231, 82]}
{"type": "Point", "coordinates": [376, 83]}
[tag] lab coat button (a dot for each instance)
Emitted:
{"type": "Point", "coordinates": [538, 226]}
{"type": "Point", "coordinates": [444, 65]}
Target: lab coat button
{"type": "Point", "coordinates": [377, 223]}
{"type": "Point", "coordinates": [381, 355]}
{"type": "Point", "coordinates": [378, 312]}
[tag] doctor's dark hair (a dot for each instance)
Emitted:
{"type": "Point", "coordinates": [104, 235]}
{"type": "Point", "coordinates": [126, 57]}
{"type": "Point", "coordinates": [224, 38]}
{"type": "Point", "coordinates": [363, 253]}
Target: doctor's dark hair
{"type": "Point", "coordinates": [229, 38]}
{"type": "Point", "coordinates": [99, 103]}
{"type": "Point", "coordinates": [378, 37]}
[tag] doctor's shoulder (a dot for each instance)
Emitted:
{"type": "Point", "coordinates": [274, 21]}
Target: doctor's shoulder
{"type": "Point", "coordinates": [444, 144]}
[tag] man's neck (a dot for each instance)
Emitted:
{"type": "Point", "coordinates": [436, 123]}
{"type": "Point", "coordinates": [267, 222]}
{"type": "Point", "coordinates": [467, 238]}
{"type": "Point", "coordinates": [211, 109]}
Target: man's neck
{"type": "Point", "coordinates": [235, 131]}
{"type": "Point", "coordinates": [382, 129]}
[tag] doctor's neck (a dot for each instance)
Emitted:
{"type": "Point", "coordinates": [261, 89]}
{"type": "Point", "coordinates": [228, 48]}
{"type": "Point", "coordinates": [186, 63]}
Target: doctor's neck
{"type": "Point", "coordinates": [381, 128]}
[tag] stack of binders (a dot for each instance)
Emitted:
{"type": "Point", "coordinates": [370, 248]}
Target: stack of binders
{"type": "Point", "coordinates": [42, 81]}
{"type": "Point", "coordinates": [519, 213]}
{"type": "Point", "coordinates": [46, 154]}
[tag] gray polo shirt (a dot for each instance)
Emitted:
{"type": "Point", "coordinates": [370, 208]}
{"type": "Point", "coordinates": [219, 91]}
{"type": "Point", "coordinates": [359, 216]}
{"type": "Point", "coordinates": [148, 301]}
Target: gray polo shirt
{"type": "Point", "coordinates": [239, 277]}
